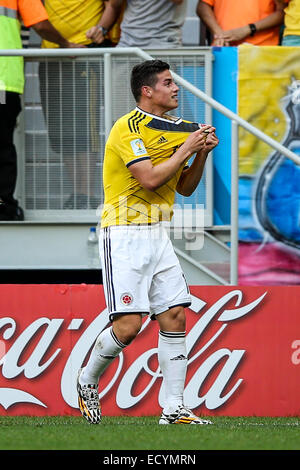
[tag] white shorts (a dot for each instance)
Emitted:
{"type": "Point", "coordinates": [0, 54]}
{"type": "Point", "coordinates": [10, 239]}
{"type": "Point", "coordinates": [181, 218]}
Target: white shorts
{"type": "Point", "coordinates": [141, 272]}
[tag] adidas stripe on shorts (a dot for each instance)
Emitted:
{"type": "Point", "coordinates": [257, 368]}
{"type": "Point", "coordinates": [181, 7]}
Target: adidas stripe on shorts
{"type": "Point", "coordinates": [141, 272]}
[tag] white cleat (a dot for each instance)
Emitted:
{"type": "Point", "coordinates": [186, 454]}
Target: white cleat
{"type": "Point", "coordinates": [182, 416]}
{"type": "Point", "coordinates": [88, 401]}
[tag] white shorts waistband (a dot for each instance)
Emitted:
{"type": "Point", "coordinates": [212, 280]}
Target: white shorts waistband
{"type": "Point", "coordinates": [125, 228]}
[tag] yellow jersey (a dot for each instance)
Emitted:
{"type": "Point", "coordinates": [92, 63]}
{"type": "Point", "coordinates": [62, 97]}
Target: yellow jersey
{"type": "Point", "coordinates": [134, 137]}
{"type": "Point", "coordinates": [292, 19]}
{"type": "Point", "coordinates": [73, 18]}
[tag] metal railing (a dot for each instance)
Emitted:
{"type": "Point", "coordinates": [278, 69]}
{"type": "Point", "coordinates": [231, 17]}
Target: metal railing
{"type": "Point", "coordinates": [236, 122]}
{"type": "Point", "coordinates": [49, 158]}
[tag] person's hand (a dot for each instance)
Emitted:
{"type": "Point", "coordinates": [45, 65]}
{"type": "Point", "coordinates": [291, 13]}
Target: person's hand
{"type": "Point", "coordinates": [219, 39]}
{"type": "Point", "coordinates": [220, 42]}
{"type": "Point", "coordinates": [211, 141]}
{"type": "Point", "coordinates": [237, 34]}
{"type": "Point", "coordinates": [196, 141]}
{"type": "Point", "coordinates": [95, 34]}
{"type": "Point", "coordinates": [231, 36]}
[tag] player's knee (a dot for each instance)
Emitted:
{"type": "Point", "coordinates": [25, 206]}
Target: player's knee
{"type": "Point", "coordinates": [127, 327]}
{"type": "Point", "coordinates": [176, 318]}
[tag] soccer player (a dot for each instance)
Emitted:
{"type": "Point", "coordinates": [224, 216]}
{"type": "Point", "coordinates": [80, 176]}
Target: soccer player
{"type": "Point", "coordinates": [145, 162]}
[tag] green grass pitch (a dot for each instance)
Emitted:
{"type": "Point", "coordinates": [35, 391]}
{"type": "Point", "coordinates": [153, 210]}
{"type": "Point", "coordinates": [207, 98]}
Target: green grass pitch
{"type": "Point", "coordinates": [144, 433]}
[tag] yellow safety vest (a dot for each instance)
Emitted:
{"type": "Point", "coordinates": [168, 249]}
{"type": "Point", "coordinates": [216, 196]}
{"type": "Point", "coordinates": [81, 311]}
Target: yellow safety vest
{"type": "Point", "coordinates": [11, 68]}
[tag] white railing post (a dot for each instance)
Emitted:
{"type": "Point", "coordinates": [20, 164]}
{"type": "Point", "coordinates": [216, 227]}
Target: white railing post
{"type": "Point", "coordinates": [234, 210]}
{"type": "Point", "coordinates": [107, 94]}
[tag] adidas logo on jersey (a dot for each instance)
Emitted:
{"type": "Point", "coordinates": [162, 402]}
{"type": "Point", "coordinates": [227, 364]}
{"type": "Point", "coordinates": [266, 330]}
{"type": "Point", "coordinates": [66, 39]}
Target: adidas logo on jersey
{"type": "Point", "coordinates": [162, 140]}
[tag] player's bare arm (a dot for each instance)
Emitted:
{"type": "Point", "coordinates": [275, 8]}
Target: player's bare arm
{"type": "Point", "coordinates": [191, 176]}
{"type": "Point", "coordinates": [152, 177]}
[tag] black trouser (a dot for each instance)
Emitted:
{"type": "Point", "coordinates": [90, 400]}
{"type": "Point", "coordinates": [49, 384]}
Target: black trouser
{"type": "Point", "coordinates": [9, 112]}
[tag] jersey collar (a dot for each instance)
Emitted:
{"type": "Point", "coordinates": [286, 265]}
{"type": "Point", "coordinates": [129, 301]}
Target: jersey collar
{"type": "Point", "coordinates": [172, 119]}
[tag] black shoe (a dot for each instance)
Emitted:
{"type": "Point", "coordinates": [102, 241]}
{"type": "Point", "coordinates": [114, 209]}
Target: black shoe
{"type": "Point", "coordinates": [10, 212]}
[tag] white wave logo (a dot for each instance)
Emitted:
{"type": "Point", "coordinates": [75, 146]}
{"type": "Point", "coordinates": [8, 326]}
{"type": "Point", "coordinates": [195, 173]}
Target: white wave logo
{"type": "Point", "coordinates": [10, 396]}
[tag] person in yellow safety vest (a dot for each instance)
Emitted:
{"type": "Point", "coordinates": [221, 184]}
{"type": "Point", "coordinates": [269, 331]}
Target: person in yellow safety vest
{"type": "Point", "coordinates": [33, 14]}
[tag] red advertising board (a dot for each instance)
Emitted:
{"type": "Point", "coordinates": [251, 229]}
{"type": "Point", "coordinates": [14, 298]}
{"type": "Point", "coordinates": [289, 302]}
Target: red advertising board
{"type": "Point", "coordinates": [243, 346]}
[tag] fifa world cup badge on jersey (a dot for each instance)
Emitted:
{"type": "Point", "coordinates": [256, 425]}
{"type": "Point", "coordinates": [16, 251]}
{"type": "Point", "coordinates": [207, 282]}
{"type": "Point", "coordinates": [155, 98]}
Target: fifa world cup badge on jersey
{"type": "Point", "coordinates": [138, 147]}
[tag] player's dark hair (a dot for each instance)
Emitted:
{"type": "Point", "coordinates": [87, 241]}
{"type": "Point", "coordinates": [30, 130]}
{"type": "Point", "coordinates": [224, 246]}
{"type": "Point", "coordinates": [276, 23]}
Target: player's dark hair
{"type": "Point", "coordinates": [146, 74]}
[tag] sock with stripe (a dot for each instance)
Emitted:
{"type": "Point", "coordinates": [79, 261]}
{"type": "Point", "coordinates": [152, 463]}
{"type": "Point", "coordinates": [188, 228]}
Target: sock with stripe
{"type": "Point", "coordinates": [172, 359]}
{"type": "Point", "coordinates": [107, 347]}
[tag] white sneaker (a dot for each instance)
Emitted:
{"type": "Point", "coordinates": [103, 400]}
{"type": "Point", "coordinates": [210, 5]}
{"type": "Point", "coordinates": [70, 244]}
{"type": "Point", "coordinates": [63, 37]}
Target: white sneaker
{"type": "Point", "coordinates": [88, 401]}
{"type": "Point", "coordinates": [182, 416]}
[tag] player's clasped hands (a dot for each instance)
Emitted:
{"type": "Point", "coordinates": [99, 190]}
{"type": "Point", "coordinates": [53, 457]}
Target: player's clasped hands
{"type": "Point", "coordinates": [211, 140]}
{"type": "Point", "coordinates": [202, 139]}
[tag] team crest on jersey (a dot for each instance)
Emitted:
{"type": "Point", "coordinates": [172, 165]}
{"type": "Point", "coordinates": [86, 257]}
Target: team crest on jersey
{"type": "Point", "coordinates": [126, 298]}
{"type": "Point", "coordinates": [138, 147]}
